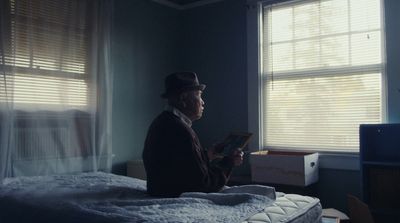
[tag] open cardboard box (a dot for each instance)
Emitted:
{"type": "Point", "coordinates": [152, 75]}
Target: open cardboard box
{"type": "Point", "coordinates": [282, 167]}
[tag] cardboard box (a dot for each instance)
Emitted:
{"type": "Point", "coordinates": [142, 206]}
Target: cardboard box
{"type": "Point", "coordinates": [330, 213]}
{"type": "Point", "coordinates": [281, 167]}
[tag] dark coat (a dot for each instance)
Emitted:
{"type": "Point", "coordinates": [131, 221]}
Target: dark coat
{"type": "Point", "coordinates": [175, 162]}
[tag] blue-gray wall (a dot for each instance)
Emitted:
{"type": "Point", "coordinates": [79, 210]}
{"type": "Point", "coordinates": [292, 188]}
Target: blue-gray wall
{"type": "Point", "coordinates": [392, 22]}
{"type": "Point", "coordinates": [214, 46]}
{"type": "Point", "coordinates": [151, 40]}
{"type": "Point", "coordinates": [145, 40]}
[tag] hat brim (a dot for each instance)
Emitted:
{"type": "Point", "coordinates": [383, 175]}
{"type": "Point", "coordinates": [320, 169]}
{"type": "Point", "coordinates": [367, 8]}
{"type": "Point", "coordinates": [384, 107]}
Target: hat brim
{"type": "Point", "coordinates": [200, 87]}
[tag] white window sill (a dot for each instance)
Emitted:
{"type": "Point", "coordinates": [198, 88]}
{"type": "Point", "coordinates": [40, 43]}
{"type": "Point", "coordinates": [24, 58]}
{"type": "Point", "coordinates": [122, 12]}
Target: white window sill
{"type": "Point", "coordinates": [339, 161]}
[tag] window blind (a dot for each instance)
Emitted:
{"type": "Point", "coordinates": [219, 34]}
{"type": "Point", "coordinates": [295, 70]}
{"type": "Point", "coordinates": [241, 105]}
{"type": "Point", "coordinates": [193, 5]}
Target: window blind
{"type": "Point", "coordinates": [322, 73]}
{"type": "Point", "coordinates": [45, 57]}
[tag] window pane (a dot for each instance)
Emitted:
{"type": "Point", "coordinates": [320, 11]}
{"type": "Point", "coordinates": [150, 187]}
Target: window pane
{"type": "Point", "coordinates": [306, 21]}
{"type": "Point", "coordinates": [331, 21]}
{"type": "Point", "coordinates": [46, 55]}
{"type": "Point", "coordinates": [335, 51]}
{"type": "Point", "coordinates": [320, 112]}
{"type": "Point", "coordinates": [307, 54]}
{"type": "Point", "coordinates": [365, 15]}
{"type": "Point", "coordinates": [366, 48]}
{"type": "Point", "coordinates": [283, 25]}
{"type": "Point", "coordinates": [281, 58]}
{"type": "Point", "coordinates": [322, 35]}
{"type": "Point", "coordinates": [46, 91]}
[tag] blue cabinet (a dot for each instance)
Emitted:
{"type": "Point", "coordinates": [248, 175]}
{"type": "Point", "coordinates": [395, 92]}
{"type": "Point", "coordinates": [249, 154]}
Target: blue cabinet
{"type": "Point", "coordinates": [380, 170]}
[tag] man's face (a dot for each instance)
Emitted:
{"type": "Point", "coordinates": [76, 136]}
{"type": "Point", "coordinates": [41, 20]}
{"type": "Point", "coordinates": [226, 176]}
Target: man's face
{"type": "Point", "coordinates": [194, 104]}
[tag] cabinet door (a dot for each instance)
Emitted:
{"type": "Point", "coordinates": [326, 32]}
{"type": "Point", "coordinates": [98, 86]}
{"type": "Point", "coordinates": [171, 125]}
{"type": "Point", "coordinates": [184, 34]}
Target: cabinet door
{"type": "Point", "coordinates": [380, 169]}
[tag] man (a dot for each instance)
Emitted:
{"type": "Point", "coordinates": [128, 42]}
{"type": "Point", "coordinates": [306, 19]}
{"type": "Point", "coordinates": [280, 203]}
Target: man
{"type": "Point", "coordinates": [173, 157]}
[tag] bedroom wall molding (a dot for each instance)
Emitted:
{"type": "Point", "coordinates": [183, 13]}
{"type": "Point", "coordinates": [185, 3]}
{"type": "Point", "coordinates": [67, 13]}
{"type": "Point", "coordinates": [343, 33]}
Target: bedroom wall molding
{"type": "Point", "coordinates": [186, 6]}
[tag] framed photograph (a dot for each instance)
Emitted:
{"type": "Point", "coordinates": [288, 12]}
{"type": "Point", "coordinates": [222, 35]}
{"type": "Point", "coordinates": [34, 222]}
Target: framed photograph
{"type": "Point", "coordinates": [235, 140]}
{"type": "Point", "coordinates": [329, 219]}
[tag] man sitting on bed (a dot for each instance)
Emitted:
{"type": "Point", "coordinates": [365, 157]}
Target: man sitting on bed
{"type": "Point", "coordinates": [173, 157]}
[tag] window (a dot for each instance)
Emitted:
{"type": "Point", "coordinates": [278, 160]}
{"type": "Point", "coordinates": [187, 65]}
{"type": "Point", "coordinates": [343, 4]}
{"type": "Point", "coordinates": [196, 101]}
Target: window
{"type": "Point", "coordinates": [45, 55]}
{"type": "Point", "coordinates": [55, 86]}
{"type": "Point", "coordinates": [322, 73]}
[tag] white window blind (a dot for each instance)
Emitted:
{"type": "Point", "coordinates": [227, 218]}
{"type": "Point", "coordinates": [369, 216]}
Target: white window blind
{"type": "Point", "coordinates": [45, 55]}
{"type": "Point", "coordinates": [322, 73]}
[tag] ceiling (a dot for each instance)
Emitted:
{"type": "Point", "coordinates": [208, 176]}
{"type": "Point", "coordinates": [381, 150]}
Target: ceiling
{"type": "Point", "coordinates": [185, 4]}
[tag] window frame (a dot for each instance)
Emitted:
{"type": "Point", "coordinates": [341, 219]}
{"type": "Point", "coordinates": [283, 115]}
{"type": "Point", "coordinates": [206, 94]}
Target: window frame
{"type": "Point", "coordinates": [256, 78]}
{"type": "Point", "coordinates": [58, 73]}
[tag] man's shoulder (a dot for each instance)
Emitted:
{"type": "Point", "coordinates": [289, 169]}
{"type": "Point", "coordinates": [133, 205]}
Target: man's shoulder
{"type": "Point", "coordinates": [169, 120]}
{"type": "Point", "coordinates": [167, 126]}
{"type": "Point", "coordinates": [166, 116]}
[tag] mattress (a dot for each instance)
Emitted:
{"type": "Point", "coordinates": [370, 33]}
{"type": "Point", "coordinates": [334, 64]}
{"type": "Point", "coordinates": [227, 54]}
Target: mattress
{"type": "Point", "coordinates": [290, 208]}
{"type": "Point", "coordinates": [103, 197]}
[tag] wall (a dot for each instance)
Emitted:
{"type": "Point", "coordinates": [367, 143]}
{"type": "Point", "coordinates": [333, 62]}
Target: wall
{"type": "Point", "coordinates": [151, 40]}
{"type": "Point", "coordinates": [214, 46]}
{"type": "Point", "coordinates": [144, 42]}
{"type": "Point", "coordinates": [392, 22]}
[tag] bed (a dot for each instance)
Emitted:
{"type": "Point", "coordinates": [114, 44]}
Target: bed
{"type": "Point", "coordinates": [103, 197]}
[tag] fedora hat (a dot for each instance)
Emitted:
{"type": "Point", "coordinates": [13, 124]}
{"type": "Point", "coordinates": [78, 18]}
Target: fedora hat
{"type": "Point", "coordinates": [179, 82]}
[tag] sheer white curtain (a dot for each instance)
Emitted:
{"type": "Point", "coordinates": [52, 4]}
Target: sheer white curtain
{"type": "Point", "coordinates": [55, 86]}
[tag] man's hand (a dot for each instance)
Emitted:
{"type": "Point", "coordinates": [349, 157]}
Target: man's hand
{"type": "Point", "coordinates": [214, 152]}
{"type": "Point", "coordinates": [237, 157]}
